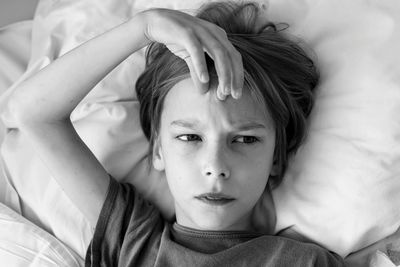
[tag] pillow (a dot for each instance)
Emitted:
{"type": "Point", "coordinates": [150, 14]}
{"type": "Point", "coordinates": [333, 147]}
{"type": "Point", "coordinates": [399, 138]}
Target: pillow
{"type": "Point", "coordinates": [14, 56]}
{"type": "Point", "coordinates": [339, 190]}
{"type": "Point", "coordinates": [23, 243]}
{"type": "Point", "coordinates": [106, 120]}
{"type": "Point", "coordinates": [14, 52]}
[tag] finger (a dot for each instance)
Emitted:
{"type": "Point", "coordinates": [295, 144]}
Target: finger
{"type": "Point", "coordinates": [221, 96]}
{"type": "Point", "coordinates": [221, 61]}
{"type": "Point", "coordinates": [183, 54]}
{"type": "Point", "coordinates": [222, 37]}
{"type": "Point", "coordinates": [238, 76]}
{"type": "Point", "coordinates": [221, 51]}
{"type": "Point", "coordinates": [236, 65]}
{"type": "Point", "coordinates": [197, 57]}
{"type": "Point", "coordinates": [203, 87]}
{"type": "Point", "coordinates": [215, 47]}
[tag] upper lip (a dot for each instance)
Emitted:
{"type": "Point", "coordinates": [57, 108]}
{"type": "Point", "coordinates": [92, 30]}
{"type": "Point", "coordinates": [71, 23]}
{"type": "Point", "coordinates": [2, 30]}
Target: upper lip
{"type": "Point", "coordinates": [214, 195]}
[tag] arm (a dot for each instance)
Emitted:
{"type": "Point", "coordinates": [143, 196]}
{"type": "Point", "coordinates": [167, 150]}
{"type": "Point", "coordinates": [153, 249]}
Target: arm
{"type": "Point", "coordinates": [42, 105]}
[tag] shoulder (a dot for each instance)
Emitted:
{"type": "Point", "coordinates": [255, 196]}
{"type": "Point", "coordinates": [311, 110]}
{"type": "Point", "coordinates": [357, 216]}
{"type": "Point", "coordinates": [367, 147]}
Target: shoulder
{"type": "Point", "coordinates": [127, 220]}
{"type": "Point", "coordinates": [125, 206]}
{"type": "Point", "coordinates": [310, 252]}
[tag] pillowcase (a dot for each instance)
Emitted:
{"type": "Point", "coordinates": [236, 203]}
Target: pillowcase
{"type": "Point", "coordinates": [106, 120]}
{"type": "Point", "coordinates": [340, 189]}
{"type": "Point", "coordinates": [14, 56]}
{"type": "Point", "coordinates": [24, 244]}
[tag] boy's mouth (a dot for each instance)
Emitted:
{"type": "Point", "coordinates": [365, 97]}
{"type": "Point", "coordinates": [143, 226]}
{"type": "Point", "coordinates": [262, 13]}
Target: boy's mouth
{"type": "Point", "coordinates": [215, 199]}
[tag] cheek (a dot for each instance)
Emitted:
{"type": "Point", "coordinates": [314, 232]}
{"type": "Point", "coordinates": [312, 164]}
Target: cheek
{"type": "Point", "coordinates": [254, 170]}
{"type": "Point", "coordinates": [178, 154]}
{"type": "Point", "coordinates": [180, 168]}
{"type": "Point", "coordinates": [253, 177]}
{"type": "Point", "coordinates": [258, 161]}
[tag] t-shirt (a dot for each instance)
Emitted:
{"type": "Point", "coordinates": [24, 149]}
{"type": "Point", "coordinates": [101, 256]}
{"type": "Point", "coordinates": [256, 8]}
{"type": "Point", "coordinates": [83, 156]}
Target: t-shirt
{"type": "Point", "coordinates": [131, 232]}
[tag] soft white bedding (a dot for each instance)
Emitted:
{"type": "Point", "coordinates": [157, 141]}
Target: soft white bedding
{"type": "Point", "coordinates": [341, 189]}
{"type": "Point", "coordinates": [15, 43]}
{"type": "Point", "coordinates": [24, 244]}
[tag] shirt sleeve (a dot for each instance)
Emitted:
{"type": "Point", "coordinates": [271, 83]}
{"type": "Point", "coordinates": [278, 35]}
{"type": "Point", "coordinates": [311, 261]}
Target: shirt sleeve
{"type": "Point", "coordinates": [124, 215]}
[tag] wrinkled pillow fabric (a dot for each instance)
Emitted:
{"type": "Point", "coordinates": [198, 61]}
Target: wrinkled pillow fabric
{"type": "Point", "coordinates": [341, 188]}
{"type": "Point", "coordinates": [106, 119]}
{"type": "Point", "coordinates": [15, 42]}
{"type": "Point", "coordinates": [24, 244]}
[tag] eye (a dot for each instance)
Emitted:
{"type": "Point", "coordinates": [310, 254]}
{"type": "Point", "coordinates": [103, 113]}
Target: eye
{"type": "Point", "coordinates": [189, 137]}
{"type": "Point", "coordinates": [246, 139]}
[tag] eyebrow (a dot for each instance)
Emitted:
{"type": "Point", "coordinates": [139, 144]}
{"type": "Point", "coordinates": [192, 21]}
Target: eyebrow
{"type": "Point", "coordinates": [240, 127]}
{"type": "Point", "coordinates": [185, 123]}
{"type": "Point", "coordinates": [250, 126]}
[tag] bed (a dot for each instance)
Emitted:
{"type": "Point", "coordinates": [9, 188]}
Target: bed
{"type": "Point", "coordinates": [341, 189]}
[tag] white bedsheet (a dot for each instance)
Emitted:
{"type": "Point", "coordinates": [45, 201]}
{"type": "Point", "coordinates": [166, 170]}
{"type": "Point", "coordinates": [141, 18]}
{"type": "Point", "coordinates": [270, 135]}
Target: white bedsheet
{"type": "Point", "coordinates": [346, 47]}
{"type": "Point", "coordinates": [24, 244]}
{"type": "Point", "coordinates": [15, 44]}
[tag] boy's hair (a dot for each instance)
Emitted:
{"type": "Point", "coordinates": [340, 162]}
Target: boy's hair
{"type": "Point", "coordinates": [277, 72]}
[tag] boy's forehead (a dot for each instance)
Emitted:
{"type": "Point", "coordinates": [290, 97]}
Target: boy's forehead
{"type": "Point", "coordinates": [184, 100]}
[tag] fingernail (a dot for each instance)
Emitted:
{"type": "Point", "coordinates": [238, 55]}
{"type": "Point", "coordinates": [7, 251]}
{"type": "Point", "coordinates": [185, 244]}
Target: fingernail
{"type": "Point", "coordinates": [204, 77]}
{"type": "Point", "coordinates": [237, 94]}
{"type": "Point", "coordinates": [220, 95]}
{"type": "Point", "coordinates": [227, 90]}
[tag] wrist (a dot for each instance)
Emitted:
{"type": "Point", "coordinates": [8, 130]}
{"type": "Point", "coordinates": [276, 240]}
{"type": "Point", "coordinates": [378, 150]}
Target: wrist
{"type": "Point", "coordinates": [143, 19]}
{"type": "Point", "coordinates": [137, 30]}
{"type": "Point", "coordinates": [149, 18]}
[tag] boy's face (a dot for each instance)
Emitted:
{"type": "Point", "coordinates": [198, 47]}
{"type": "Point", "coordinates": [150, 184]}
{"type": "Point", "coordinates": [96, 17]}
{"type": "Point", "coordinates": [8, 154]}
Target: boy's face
{"type": "Point", "coordinates": [217, 156]}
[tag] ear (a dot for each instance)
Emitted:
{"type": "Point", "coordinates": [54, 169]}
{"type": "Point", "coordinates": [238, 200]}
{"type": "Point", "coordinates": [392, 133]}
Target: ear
{"type": "Point", "coordinates": [273, 175]}
{"type": "Point", "coordinates": [158, 158]}
{"type": "Point", "coordinates": [274, 169]}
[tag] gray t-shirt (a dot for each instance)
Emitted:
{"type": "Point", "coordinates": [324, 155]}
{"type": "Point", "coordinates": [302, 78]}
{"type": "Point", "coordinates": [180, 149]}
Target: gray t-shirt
{"type": "Point", "coordinates": [131, 232]}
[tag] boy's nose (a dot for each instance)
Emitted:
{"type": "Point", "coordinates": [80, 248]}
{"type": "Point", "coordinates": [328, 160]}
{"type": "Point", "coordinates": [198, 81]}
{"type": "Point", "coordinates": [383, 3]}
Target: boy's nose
{"type": "Point", "coordinates": [215, 165]}
{"type": "Point", "coordinates": [216, 172]}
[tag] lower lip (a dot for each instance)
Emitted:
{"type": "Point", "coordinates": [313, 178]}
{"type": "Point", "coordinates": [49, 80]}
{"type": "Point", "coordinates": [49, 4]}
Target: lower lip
{"type": "Point", "coordinates": [215, 202]}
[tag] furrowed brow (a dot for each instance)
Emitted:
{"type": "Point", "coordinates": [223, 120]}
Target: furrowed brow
{"type": "Point", "coordinates": [185, 124]}
{"type": "Point", "coordinates": [194, 124]}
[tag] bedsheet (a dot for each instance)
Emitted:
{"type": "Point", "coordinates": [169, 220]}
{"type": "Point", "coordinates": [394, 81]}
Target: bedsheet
{"type": "Point", "coordinates": [107, 120]}
{"type": "Point", "coordinates": [24, 244]}
{"type": "Point", "coordinates": [15, 44]}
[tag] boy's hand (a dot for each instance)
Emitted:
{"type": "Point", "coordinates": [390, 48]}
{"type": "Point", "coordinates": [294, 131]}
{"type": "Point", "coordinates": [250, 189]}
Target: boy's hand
{"type": "Point", "coordinates": [189, 37]}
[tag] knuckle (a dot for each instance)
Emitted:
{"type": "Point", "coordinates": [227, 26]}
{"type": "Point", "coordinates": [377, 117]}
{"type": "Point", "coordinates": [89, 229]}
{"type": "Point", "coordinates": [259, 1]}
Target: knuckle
{"type": "Point", "coordinates": [217, 47]}
{"type": "Point", "coordinates": [188, 31]}
{"type": "Point", "coordinates": [223, 53]}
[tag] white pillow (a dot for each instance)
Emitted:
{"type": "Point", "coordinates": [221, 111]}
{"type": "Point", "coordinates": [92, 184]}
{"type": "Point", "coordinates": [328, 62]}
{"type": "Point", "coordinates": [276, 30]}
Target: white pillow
{"type": "Point", "coordinates": [342, 188]}
{"type": "Point", "coordinates": [14, 56]}
{"type": "Point", "coordinates": [339, 190]}
{"type": "Point", "coordinates": [24, 244]}
{"type": "Point", "coordinates": [107, 119]}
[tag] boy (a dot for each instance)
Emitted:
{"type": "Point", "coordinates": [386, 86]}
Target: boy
{"type": "Point", "coordinates": [220, 126]}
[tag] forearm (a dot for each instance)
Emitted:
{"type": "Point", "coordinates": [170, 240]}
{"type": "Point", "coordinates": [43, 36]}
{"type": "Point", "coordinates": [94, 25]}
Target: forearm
{"type": "Point", "coordinates": [54, 92]}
